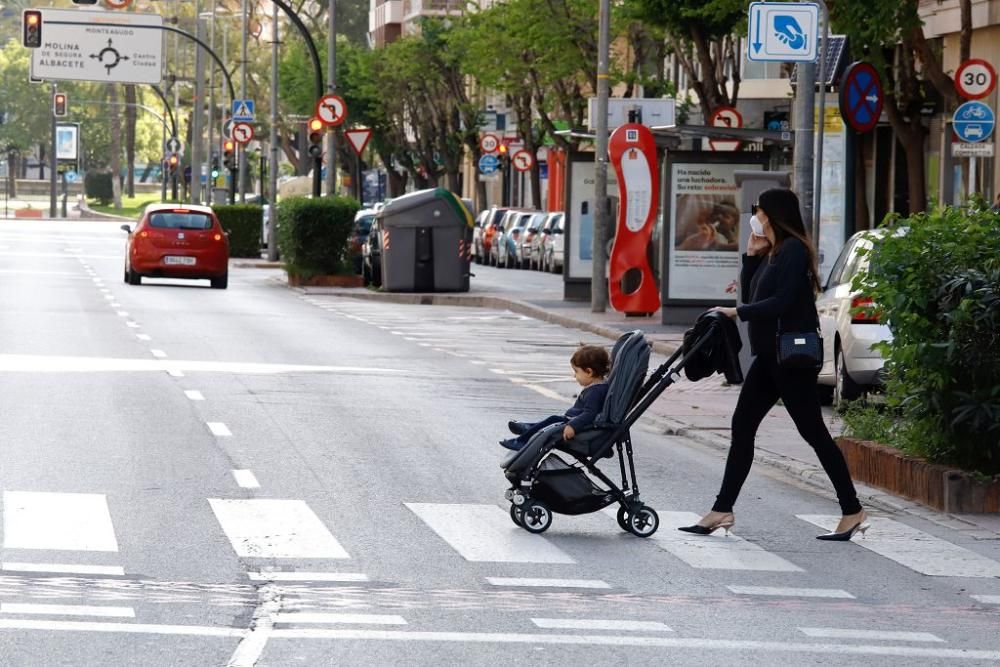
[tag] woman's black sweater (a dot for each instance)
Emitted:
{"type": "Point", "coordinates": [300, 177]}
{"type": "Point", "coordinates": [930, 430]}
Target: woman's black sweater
{"type": "Point", "coordinates": [777, 287]}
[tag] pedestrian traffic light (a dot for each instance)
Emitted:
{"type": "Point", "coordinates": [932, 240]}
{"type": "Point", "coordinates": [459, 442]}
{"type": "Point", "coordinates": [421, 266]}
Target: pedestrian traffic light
{"type": "Point", "coordinates": [32, 20]}
{"type": "Point", "coordinates": [228, 153]}
{"type": "Point", "coordinates": [315, 137]}
{"type": "Point", "coordinates": [59, 103]}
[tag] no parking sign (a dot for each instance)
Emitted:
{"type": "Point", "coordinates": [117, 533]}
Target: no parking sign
{"type": "Point", "coordinates": [861, 97]}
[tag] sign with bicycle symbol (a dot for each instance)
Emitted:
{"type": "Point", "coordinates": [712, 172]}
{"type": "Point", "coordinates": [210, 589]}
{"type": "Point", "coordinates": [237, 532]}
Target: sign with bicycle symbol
{"type": "Point", "coordinates": [973, 122]}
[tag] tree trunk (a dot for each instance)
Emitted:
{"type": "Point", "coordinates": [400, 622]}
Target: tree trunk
{"type": "Point", "coordinates": [116, 145]}
{"type": "Point", "coordinates": [12, 175]}
{"type": "Point", "coordinates": [130, 120]}
{"type": "Point", "coordinates": [965, 39]}
{"type": "Point", "coordinates": [916, 178]}
{"type": "Point", "coordinates": [42, 161]}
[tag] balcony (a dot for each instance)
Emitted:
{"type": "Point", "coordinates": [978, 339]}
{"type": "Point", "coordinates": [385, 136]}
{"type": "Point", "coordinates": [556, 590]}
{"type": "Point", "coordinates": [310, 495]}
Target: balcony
{"type": "Point", "coordinates": [385, 13]}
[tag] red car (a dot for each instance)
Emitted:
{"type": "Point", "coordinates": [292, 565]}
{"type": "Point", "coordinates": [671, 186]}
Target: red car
{"type": "Point", "coordinates": [177, 241]}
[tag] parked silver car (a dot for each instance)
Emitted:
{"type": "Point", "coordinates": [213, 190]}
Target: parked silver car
{"type": "Point", "coordinates": [552, 247]}
{"type": "Point", "coordinates": [850, 327]}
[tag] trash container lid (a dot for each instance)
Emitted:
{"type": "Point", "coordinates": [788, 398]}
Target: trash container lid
{"type": "Point", "coordinates": [422, 197]}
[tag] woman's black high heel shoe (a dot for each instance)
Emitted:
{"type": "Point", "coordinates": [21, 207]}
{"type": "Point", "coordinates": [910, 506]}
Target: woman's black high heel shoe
{"type": "Point", "coordinates": [726, 521]}
{"type": "Point", "coordinates": [860, 527]}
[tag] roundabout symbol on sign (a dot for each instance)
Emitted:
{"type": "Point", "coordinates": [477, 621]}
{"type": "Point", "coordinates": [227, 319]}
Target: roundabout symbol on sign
{"type": "Point", "coordinates": [243, 133]}
{"type": "Point", "coordinates": [331, 109]}
{"type": "Point", "coordinates": [975, 79]}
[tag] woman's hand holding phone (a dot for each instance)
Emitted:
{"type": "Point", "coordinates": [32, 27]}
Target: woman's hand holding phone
{"type": "Point", "coordinates": [757, 245]}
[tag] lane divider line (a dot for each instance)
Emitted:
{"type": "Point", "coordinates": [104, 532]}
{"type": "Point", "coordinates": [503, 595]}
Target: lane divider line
{"type": "Point", "coordinates": [547, 583]}
{"type": "Point", "coordinates": [791, 592]}
{"type": "Point", "coordinates": [246, 479]}
{"type": "Point", "coordinates": [194, 394]}
{"type": "Point", "coordinates": [219, 429]}
{"type": "Point", "coordinates": [159, 354]}
{"type": "Point", "coordinates": [353, 619]}
{"type": "Point", "coordinates": [886, 635]}
{"type": "Point", "coordinates": [599, 624]}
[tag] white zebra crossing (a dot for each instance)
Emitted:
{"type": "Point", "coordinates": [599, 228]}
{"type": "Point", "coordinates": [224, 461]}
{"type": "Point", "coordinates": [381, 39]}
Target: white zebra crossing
{"type": "Point", "coordinates": [267, 528]}
{"type": "Point", "coordinates": [57, 521]}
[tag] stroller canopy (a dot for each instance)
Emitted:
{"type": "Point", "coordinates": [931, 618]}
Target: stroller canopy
{"type": "Point", "coordinates": [629, 363]}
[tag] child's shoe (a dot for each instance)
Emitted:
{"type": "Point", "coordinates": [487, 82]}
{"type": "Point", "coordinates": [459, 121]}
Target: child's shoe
{"type": "Point", "coordinates": [516, 427]}
{"type": "Point", "coordinates": [511, 443]}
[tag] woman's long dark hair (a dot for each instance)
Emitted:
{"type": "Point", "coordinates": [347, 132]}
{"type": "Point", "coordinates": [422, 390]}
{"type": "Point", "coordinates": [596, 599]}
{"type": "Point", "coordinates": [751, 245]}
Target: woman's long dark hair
{"type": "Point", "coordinates": [782, 209]}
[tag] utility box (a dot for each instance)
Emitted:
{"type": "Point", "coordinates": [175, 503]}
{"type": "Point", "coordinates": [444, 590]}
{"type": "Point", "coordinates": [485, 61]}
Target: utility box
{"type": "Point", "coordinates": [426, 242]}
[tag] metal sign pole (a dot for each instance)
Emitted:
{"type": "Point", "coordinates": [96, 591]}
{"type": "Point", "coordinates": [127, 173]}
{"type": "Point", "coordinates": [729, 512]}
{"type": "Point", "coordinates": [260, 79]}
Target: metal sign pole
{"type": "Point", "coordinates": [53, 160]}
{"type": "Point", "coordinates": [818, 166]}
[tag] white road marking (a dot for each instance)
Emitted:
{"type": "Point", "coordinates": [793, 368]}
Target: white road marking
{"type": "Point", "coordinates": [25, 272]}
{"type": "Point", "coordinates": [57, 521]}
{"type": "Point", "coordinates": [55, 364]}
{"type": "Point", "coordinates": [599, 624]}
{"type": "Point", "coordinates": [307, 576]}
{"type": "Point", "coordinates": [354, 619]}
{"type": "Point", "coordinates": [173, 372]}
{"type": "Point", "coordinates": [144, 337]}
{"type": "Point", "coordinates": [858, 635]}
{"type": "Point", "coordinates": [194, 395]}
{"type": "Point", "coordinates": [547, 393]}
{"type": "Point", "coordinates": [63, 568]}
{"type": "Point", "coordinates": [547, 583]}
{"type": "Point", "coordinates": [159, 354]}
{"type": "Point", "coordinates": [251, 647]}
{"type": "Point", "coordinates": [121, 313]}
{"type": "Point", "coordinates": [64, 255]}
{"type": "Point", "coordinates": [485, 533]}
{"type": "Point", "coordinates": [66, 610]}
{"type": "Point", "coordinates": [987, 599]}
{"type": "Point", "coordinates": [246, 479]}
{"type": "Point", "coordinates": [360, 634]}
{"type": "Point", "coordinates": [916, 549]}
{"type": "Point", "coordinates": [219, 429]}
{"type": "Point", "coordinates": [131, 324]}
{"type": "Point", "coordinates": [713, 552]}
{"type": "Point", "coordinates": [268, 528]}
{"type": "Point", "coordinates": [791, 592]}
{"type": "Point", "coordinates": [115, 304]}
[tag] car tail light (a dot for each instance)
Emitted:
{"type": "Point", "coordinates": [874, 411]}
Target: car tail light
{"type": "Point", "coordinates": [182, 210]}
{"type": "Point", "coordinates": [867, 314]}
{"type": "Point", "coordinates": [143, 234]}
{"type": "Point", "coordinates": [218, 237]}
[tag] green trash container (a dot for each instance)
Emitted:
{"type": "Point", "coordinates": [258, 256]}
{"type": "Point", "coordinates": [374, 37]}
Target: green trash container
{"type": "Point", "coordinates": [426, 243]}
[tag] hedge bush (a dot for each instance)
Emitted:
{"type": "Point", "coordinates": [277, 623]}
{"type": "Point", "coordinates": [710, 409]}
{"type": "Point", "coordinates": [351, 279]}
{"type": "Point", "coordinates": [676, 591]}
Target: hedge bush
{"type": "Point", "coordinates": [97, 185]}
{"type": "Point", "coordinates": [244, 223]}
{"type": "Point", "coordinates": [314, 235]}
{"type": "Point", "coordinates": [937, 284]}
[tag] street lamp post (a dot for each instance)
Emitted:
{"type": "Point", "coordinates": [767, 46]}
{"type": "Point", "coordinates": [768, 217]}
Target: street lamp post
{"type": "Point", "coordinates": [241, 178]}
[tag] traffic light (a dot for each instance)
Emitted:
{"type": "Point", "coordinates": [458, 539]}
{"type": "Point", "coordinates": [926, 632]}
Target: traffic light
{"type": "Point", "coordinates": [59, 104]}
{"type": "Point", "coordinates": [229, 153]}
{"type": "Point", "coordinates": [502, 150]}
{"type": "Point", "coordinates": [32, 20]}
{"type": "Point", "coordinates": [315, 137]}
{"type": "Point", "coordinates": [215, 166]}
{"type": "Point", "coordinates": [173, 162]}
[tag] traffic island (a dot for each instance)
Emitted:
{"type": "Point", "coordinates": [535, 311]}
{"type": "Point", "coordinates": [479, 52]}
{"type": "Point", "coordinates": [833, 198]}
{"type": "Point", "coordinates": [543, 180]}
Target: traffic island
{"type": "Point", "coordinates": [28, 213]}
{"type": "Point", "coordinates": [941, 487]}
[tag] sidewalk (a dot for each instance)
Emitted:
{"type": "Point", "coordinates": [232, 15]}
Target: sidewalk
{"type": "Point", "coordinates": [698, 411]}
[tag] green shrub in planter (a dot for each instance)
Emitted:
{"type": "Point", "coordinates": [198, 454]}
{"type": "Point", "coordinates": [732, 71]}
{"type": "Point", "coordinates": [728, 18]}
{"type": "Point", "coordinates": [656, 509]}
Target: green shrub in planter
{"type": "Point", "coordinates": [244, 223]}
{"type": "Point", "coordinates": [314, 235]}
{"type": "Point", "coordinates": [938, 288]}
{"type": "Point", "coordinates": [97, 185]}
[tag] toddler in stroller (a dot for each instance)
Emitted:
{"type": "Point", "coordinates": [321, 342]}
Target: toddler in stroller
{"type": "Point", "coordinates": [590, 365]}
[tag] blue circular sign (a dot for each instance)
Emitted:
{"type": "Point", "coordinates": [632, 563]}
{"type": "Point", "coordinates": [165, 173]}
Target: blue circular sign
{"type": "Point", "coordinates": [71, 177]}
{"type": "Point", "coordinates": [861, 97]}
{"type": "Point", "coordinates": [488, 164]}
{"type": "Point", "coordinates": [973, 122]}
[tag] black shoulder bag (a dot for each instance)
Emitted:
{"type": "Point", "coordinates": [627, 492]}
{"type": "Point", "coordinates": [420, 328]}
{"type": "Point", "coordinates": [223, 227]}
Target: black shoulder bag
{"type": "Point", "coordinates": [800, 349]}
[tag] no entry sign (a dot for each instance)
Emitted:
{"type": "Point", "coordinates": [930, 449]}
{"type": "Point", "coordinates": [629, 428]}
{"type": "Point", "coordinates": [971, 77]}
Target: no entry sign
{"type": "Point", "coordinates": [861, 97]}
{"type": "Point", "coordinates": [975, 79]}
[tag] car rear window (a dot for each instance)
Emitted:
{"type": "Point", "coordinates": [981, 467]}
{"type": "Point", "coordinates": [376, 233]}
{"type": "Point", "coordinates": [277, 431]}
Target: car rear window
{"type": "Point", "coordinates": [364, 225]}
{"type": "Point", "coordinates": [173, 220]}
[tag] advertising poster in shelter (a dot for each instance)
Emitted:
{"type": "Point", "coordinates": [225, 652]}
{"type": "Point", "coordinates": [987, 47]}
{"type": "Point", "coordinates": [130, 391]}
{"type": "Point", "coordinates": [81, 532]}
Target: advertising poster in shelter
{"type": "Point", "coordinates": [67, 141]}
{"type": "Point", "coordinates": [833, 194]}
{"type": "Point", "coordinates": [703, 261]}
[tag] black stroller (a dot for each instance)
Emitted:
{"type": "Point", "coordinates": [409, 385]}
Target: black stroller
{"type": "Point", "coordinates": [543, 482]}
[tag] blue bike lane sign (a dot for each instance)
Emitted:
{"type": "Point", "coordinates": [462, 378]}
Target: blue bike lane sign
{"type": "Point", "coordinates": [783, 31]}
{"type": "Point", "coordinates": [973, 122]}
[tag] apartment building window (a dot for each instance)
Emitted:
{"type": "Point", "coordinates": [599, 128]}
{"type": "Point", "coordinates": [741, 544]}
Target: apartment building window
{"type": "Point", "coordinates": [762, 70]}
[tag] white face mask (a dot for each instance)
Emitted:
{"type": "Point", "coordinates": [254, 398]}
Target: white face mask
{"type": "Point", "coordinates": [757, 226]}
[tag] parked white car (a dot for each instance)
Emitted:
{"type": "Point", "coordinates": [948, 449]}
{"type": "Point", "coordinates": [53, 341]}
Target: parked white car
{"type": "Point", "coordinates": [552, 251]}
{"type": "Point", "coordinates": [850, 366]}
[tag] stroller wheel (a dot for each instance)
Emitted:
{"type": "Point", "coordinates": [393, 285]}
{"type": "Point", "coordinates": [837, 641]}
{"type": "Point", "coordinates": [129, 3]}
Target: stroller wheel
{"type": "Point", "coordinates": [537, 517]}
{"type": "Point", "coordinates": [643, 522]}
{"type": "Point", "coordinates": [516, 515]}
{"type": "Point", "coordinates": [622, 517]}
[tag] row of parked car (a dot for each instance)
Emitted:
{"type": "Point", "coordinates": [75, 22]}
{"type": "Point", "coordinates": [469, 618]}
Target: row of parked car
{"type": "Point", "coordinates": [520, 238]}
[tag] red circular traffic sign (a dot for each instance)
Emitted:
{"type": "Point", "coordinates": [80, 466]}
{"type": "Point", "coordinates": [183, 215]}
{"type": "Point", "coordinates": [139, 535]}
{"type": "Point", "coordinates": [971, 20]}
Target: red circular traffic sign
{"type": "Point", "coordinates": [489, 143]}
{"type": "Point", "coordinates": [522, 160]}
{"type": "Point", "coordinates": [975, 79]}
{"type": "Point", "coordinates": [725, 117]}
{"type": "Point", "coordinates": [243, 133]}
{"type": "Point", "coordinates": [861, 97]}
{"type": "Point", "coordinates": [331, 109]}
{"type": "Point", "coordinates": [117, 4]}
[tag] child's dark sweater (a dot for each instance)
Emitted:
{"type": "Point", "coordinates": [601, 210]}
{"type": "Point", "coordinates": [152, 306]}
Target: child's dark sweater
{"type": "Point", "coordinates": [588, 405]}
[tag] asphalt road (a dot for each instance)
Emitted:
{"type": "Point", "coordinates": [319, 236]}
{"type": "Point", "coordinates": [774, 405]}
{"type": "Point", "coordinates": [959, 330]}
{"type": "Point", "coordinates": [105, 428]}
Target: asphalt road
{"type": "Point", "coordinates": [255, 476]}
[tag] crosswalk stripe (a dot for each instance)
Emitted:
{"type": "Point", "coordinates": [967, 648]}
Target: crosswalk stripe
{"type": "Point", "coordinates": [599, 624]}
{"type": "Point", "coordinates": [63, 568]}
{"type": "Point", "coordinates": [219, 429]}
{"type": "Point", "coordinates": [485, 533]}
{"type": "Point", "coordinates": [308, 576]}
{"type": "Point", "coordinates": [352, 619]}
{"type": "Point", "coordinates": [268, 528]}
{"type": "Point", "coordinates": [57, 521]}
{"type": "Point", "coordinates": [791, 592]}
{"type": "Point", "coordinates": [885, 635]}
{"type": "Point", "coordinates": [714, 552]}
{"type": "Point", "coordinates": [916, 549]}
{"type": "Point", "coordinates": [546, 583]}
{"type": "Point", "coordinates": [66, 610]}
{"type": "Point", "coordinates": [987, 599]}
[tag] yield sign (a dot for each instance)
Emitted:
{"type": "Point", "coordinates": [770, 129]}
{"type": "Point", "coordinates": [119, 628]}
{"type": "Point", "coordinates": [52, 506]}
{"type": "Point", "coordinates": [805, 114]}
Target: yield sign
{"type": "Point", "coordinates": [331, 109]}
{"type": "Point", "coordinates": [359, 137]}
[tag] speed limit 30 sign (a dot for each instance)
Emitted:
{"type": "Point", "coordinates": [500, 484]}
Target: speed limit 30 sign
{"type": "Point", "coordinates": [975, 79]}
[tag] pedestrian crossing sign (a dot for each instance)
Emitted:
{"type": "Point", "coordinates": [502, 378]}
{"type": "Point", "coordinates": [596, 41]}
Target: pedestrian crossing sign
{"type": "Point", "coordinates": [243, 110]}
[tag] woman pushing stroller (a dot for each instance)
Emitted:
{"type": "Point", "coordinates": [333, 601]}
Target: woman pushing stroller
{"type": "Point", "coordinates": [591, 365]}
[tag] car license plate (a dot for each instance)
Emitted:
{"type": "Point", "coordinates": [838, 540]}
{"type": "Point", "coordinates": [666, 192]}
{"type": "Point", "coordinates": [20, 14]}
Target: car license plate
{"type": "Point", "coordinates": [172, 259]}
